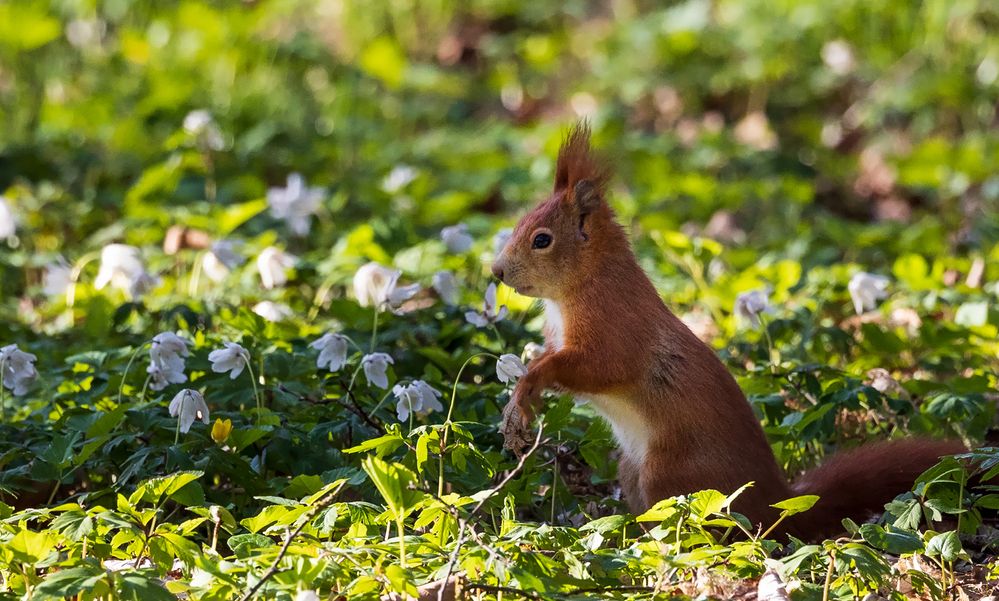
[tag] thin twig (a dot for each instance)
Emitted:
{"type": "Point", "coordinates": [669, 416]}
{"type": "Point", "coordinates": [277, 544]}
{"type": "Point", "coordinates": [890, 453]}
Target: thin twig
{"type": "Point", "coordinates": [355, 408]}
{"type": "Point", "coordinates": [271, 571]}
{"type": "Point", "coordinates": [464, 521]}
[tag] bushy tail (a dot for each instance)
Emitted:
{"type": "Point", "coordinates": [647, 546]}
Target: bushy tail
{"type": "Point", "coordinates": [857, 483]}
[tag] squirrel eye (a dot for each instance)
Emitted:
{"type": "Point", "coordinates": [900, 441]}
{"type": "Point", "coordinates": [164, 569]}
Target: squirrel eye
{"type": "Point", "coordinates": [541, 241]}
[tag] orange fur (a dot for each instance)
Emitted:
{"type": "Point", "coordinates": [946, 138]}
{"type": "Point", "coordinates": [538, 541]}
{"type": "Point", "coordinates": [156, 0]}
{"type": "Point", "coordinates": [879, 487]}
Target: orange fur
{"type": "Point", "coordinates": [678, 414]}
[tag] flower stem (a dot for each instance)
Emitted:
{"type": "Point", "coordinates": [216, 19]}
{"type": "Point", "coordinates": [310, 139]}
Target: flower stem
{"type": "Point", "coordinates": [142, 394]}
{"type": "Point", "coordinates": [128, 366]}
{"type": "Point", "coordinates": [447, 421]}
{"type": "Point", "coordinates": [180, 412]}
{"type": "Point", "coordinates": [256, 393]}
{"type": "Point", "coordinates": [773, 355]}
{"type": "Point", "coordinates": [374, 332]}
{"type": "Point", "coordinates": [351, 340]}
{"type": "Point", "coordinates": [381, 402]}
{"type": "Point", "coordinates": [357, 370]}
{"type": "Point", "coordinates": [74, 275]}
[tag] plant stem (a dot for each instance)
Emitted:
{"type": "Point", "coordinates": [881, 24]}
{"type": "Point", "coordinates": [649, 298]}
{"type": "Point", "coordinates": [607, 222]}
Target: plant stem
{"type": "Point", "coordinates": [142, 394]}
{"type": "Point", "coordinates": [353, 377]}
{"type": "Point", "coordinates": [402, 542]}
{"type": "Point", "coordinates": [74, 275]}
{"type": "Point", "coordinates": [773, 355]}
{"type": "Point", "coordinates": [128, 366]}
{"type": "Point", "coordinates": [180, 412]}
{"type": "Point", "coordinates": [256, 393]}
{"type": "Point", "coordinates": [374, 332]}
{"type": "Point", "coordinates": [447, 421]}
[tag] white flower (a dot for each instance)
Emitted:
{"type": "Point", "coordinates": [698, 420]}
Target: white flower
{"type": "Point", "coordinates": [533, 350]}
{"type": "Point", "coordinates": [749, 305]}
{"type": "Point", "coordinates": [272, 263]}
{"type": "Point", "coordinates": [307, 596]}
{"type": "Point", "coordinates": [866, 289]}
{"type": "Point", "coordinates": [838, 56]}
{"type": "Point", "coordinates": [168, 343]}
{"type": "Point", "coordinates": [409, 401]}
{"type": "Point", "coordinates": [489, 314]}
{"type": "Point", "coordinates": [332, 351]}
{"type": "Point", "coordinates": [166, 360]}
{"type": "Point", "coordinates": [375, 365]}
{"type": "Point", "coordinates": [17, 369]}
{"type": "Point", "coordinates": [272, 311]}
{"type": "Point", "coordinates": [295, 203]}
{"type": "Point", "coordinates": [376, 285]}
{"type": "Point", "coordinates": [7, 224]}
{"type": "Point", "coordinates": [456, 238]}
{"type": "Point", "coordinates": [221, 259]}
{"type": "Point", "coordinates": [398, 178]}
{"type": "Point", "coordinates": [121, 266]}
{"type": "Point", "coordinates": [418, 398]}
{"type": "Point", "coordinates": [233, 358]}
{"type": "Point", "coordinates": [509, 368]}
{"type": "Point", "coordinates": [430, 397]}
{"type": "Point", "coordinates": [188, 405]}
{"type": "Point", "coordinates": [201, 125]}
{"type": "Point", "coordinates": [166, 371]}
{"type": "Point", "coordinates": [500, 240]}
{"type": "Point", "coordinates": [57, 278]}
{"type": "Point", "coordinates": [446, 286]}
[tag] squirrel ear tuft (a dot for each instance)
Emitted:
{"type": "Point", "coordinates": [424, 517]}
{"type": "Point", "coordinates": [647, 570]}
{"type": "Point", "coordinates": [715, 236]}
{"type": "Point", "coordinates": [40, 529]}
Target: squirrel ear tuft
{"type": "Point", "coordinates": [586, 196]}
{"type": "Point", "coordinates": [579, 172]}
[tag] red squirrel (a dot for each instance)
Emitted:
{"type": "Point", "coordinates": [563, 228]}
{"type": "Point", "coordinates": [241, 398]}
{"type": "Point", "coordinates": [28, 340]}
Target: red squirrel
{"type": "Point", "coordinates": [680, 419]}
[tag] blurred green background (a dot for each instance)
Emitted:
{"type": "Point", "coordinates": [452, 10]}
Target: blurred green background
{"type": "Point", "coordinates": [820, 131]}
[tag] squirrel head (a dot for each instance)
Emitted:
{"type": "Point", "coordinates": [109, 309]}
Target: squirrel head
{"type": "Point", "coordinates": [554, 245]}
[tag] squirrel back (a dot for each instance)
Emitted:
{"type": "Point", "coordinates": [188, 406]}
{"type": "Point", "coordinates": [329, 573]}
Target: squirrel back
{"type": "Point", "coordinates": [679, 416]}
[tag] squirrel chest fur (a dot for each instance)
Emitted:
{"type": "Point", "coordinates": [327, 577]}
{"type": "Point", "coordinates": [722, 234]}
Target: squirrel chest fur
{"type": "Point", "coordinates": [678, 415]}
{"type": "Point", "coordinates": [627, 421]}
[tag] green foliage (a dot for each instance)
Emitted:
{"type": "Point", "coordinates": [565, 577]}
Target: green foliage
{"type": "Point", "coordinates": [757, 145]}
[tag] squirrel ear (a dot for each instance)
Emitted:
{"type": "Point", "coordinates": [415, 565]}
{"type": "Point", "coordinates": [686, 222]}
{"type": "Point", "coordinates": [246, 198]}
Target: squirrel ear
{"type": "Point", "coordinates": [585, 196]}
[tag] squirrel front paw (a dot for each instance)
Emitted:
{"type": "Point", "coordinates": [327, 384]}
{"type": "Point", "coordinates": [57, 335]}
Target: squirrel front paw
{"type": "Point", "coordinates": [527, 397]}
{"type": "Point", "coordinates": [517, 434]}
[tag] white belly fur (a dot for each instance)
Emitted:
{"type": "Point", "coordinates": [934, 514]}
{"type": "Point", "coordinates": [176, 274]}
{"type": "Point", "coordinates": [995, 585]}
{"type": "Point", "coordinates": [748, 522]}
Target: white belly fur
{"type": "Point", "coordinates": [630, 428]}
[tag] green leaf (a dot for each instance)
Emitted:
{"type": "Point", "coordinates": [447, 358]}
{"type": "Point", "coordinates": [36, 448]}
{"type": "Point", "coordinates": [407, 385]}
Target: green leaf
{"type": "Point", "coordinates": [605, 524]}
{"type": "Point", "coordinates": [892, 540]}
{"type": "Point", "coordinates": [797, 504]}
{"type": "Point", "coordinates": [74, 525]}
{"type": "Point", "coordinates": [243, 545]}
{"type": "Point", "coordinates": [399, 581]}
{"type": "Point", "coordinates": [946, 546]}
{"type": "Point", "coordinates": [395, 483]}
{"type": "Point", "coordinates": [303, 485]}
{"type": "Point", "coordinates": [74, 581]}
{"type": "Point", "coordinates": [423, 449]}
{"type": "Point", "coordinates": [155, 489]}
{"type": "Point", "coordinates": [382, 444]}
{"type": "Point", "coordinates": [31, 547]}
{"type": "Point", "coordinates": [236, 215]}
{"type": "Point", "coordinates": [707, 502]}
{"type": "Point", "coordinates": [138, 587]}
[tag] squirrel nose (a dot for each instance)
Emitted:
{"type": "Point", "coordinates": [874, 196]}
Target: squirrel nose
{"type": "Point", "coordinates": [498, 271]}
